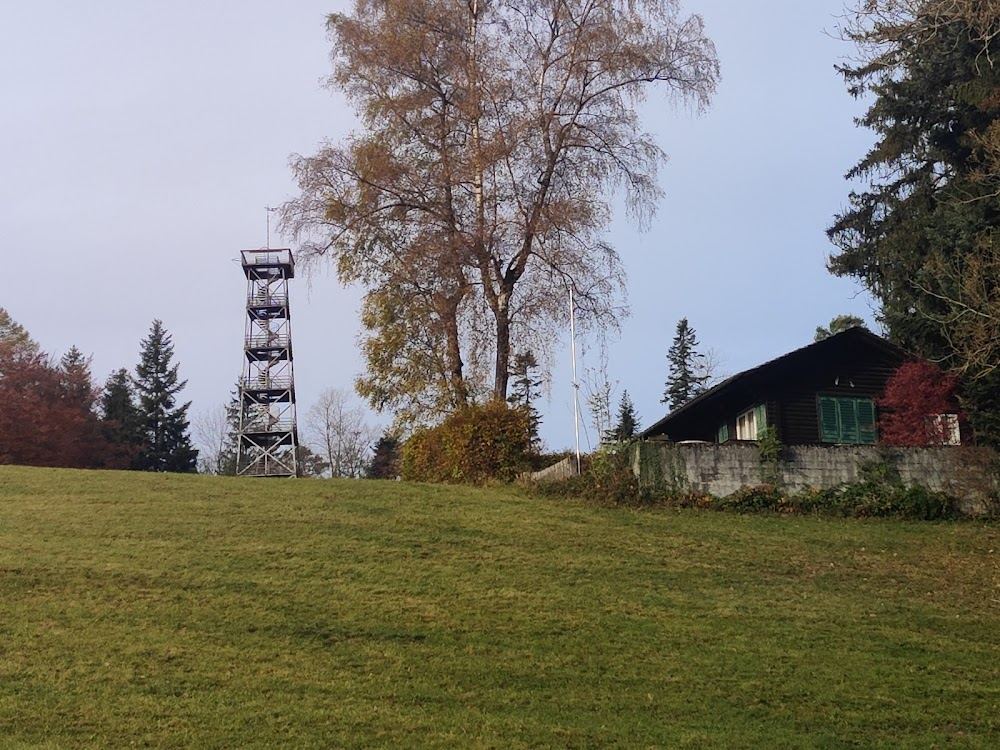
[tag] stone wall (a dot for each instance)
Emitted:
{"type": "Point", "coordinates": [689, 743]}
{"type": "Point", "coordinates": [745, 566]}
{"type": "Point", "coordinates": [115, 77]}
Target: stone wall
{"type": "Point", "coordinates": [966, 473]}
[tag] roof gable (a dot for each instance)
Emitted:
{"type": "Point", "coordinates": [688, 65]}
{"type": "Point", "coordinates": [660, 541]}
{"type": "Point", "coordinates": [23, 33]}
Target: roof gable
{"type": "Point", "coordinates": [853, 341]}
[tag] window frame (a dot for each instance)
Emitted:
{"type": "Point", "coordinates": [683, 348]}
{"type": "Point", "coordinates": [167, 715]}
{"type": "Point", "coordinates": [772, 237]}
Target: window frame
{"type": "Point", "coordinates": [752, 421]}
{"type": "Point", "coordinates": [846, 420]}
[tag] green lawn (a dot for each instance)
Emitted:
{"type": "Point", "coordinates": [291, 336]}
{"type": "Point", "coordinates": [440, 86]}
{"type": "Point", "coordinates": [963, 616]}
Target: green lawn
{"type": "Point", "coordinates": [199, 612]}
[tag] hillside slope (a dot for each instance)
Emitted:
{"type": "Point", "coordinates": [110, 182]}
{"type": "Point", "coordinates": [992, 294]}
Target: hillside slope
{"type": "Point", "coordinates": [183, 611]}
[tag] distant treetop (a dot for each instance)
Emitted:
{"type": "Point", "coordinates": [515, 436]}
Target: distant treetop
{"type": "Point", "coordinates": [838, 325]}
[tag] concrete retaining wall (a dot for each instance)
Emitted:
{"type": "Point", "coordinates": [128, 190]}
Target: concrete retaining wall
{"type": "Point", "coordinates": [966, 473]}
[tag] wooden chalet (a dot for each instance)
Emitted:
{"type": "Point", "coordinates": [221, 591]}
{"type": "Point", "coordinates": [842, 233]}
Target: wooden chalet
{"type": "Point", "coordinates": [823, 393]}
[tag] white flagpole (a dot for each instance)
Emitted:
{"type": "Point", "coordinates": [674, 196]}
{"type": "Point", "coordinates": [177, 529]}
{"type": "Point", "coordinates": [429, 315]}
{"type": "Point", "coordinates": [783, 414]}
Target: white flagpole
{"type": "Point", "coordinates": [576, 385]}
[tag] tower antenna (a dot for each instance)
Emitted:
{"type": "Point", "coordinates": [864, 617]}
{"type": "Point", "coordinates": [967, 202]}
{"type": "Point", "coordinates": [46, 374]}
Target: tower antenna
{"type": "Point", "coordinates": [267, 211]}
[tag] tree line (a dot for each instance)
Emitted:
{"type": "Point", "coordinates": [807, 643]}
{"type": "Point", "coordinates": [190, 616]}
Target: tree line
{"type": "Point", "coordinates": [54, 414]}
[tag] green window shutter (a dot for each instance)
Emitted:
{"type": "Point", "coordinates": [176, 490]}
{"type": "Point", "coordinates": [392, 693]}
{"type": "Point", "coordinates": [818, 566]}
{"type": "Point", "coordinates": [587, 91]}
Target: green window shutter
{"type": "Point", "coordinates": [760, 417]}
{"type": "Point", "coordinates": [866, 421]}
{"type": "Point", "coordinates": [850, 430]}
{"type": "Point", "coordinates": [829, 421]}
{"type": "Point", "coordinates": [723, 434]}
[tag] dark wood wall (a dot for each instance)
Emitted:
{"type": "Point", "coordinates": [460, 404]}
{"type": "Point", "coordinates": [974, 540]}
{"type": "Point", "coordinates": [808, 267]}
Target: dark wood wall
{"type": "Point", "coordinates": [854, 364]}
{"type": "Point", "coordinates": [798, 409]}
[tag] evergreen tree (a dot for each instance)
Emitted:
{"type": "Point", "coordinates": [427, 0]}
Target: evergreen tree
{"type": "Point", "coordinates": [226, 463]}
{"type": "Point", "coordinates": [166, 445]}
{"type": "Point", "coordinates": [920, 234]}
{"type": "Point", "coordinates": [120, 423]}
{"type": "Point", "coordinates": [80, 397]}
{"type": "Point", "coordinates": [838, 325]}
{"type": "Point", "coordinates": [525, 389]}
{"type": "Point", "coordinates": [385, 462]}
{"type": "Point", "coordinates": [686, 378]}
{"type": "Point", "coordinates": [627, 425]}
{"type": "Point", "coordinates": [310, 464]}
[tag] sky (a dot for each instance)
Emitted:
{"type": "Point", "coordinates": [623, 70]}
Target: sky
{"type": "Point", "coordinates": [142, 143]}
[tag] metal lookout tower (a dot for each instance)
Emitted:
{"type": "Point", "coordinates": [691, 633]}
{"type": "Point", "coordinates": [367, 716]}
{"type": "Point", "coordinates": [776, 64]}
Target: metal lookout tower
{"type": "Point", "coordinates": [268, 430]}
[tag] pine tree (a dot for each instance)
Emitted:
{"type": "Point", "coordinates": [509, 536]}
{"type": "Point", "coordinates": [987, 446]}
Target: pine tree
{"type": "Point", "coordinates": [627, 425]}
{"type": "Point", "coordinates": [164, 425]}
{"type": "Point", "coordinates": [525, 388]}
{"type": "Point", "coordinates": [686, 378]}
{"type": "Point", "coordinates": [385, 462]}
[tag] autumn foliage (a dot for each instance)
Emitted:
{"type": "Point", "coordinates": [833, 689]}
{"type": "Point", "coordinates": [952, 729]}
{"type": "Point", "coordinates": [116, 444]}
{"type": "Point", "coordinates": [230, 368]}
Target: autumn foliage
{"type": "Point", "coordinates": [474, 445]}
{"type": "Point", "coordinates": [915, 394]}
{"type": "Point", "coordinates": [48, 416]}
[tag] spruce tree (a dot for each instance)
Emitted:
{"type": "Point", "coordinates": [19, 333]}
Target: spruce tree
{"type": "Point", "coordinates": [120, 423]}
{"type": "Point", "coordinates": [923, 213]}
{"type": "Point", "coordinates": [163, 424]}
{"type": "Point", "coordinates": [525, 389]}
{"type": "Point", "coordinates": [627, 425]}
{"type": "Point", "coordinates": [685, 379]}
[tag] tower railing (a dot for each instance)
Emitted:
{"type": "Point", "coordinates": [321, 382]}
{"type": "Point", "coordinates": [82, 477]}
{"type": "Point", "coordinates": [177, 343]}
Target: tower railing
{"type": "Point", "coordinates": [268, 445]}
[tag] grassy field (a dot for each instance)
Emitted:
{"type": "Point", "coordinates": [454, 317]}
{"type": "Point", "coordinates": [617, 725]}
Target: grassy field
{"type": "Point", "coordinates": [199, 612]}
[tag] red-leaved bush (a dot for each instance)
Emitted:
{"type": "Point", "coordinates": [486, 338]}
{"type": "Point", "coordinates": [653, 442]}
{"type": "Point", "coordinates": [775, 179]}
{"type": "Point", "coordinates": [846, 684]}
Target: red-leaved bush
{"type": "Point", "coordinates": [913, 396]}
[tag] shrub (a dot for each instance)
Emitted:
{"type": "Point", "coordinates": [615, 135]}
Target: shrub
{"type": "Point", "coordinates": [475, 445]}
{"type": "Point", "coordinates": [606, 478]}
{"type": "Point", "coordinates": [913, 396]}
{"type": "Point", "coordinates": [610, 479]}
{"type": "Point", "coordinates": [759, 497]}
{"type": "Point", "coordinates": [770, 450]}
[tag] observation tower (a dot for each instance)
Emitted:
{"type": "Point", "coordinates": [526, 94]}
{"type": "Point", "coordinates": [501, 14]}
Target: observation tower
{"type": "Point", "coordinates": [268, 431]}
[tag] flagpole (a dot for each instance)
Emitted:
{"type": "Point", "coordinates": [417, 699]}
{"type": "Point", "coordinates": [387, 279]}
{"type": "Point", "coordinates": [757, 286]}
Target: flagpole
{"type": "Point", "coordinates": [576, 385]}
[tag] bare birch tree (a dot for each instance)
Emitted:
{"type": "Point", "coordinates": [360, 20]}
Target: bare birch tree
{"type": "Point", "coordinates": [340, 434]}
{"type": "Point", "coordinates": [495, 132]}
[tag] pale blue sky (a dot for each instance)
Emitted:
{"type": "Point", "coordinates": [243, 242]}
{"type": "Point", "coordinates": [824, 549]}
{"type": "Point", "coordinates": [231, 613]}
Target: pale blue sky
{"type": "Point", "coordinates": [141, 142]}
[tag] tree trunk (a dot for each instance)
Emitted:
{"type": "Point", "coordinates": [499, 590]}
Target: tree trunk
{"type": "Point", "coordinates": [453, 354]}
{"type": "Point", "coordinates": [502, 375]}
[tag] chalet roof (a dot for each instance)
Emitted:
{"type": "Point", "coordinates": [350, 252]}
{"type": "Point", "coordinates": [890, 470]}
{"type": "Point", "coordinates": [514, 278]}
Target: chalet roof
{"type": "Point", "coordinates": [830, 348]}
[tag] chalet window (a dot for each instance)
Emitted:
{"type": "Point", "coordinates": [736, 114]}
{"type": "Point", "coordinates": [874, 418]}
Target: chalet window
{"type": "Point", "coordinates": [945, 428]}
{"type": "Point", "coordinates": [751, 423]}
{"type": "Point", "coordinates": [849, 421]}
{"type": "Point", "coordinates": [723, 434]}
